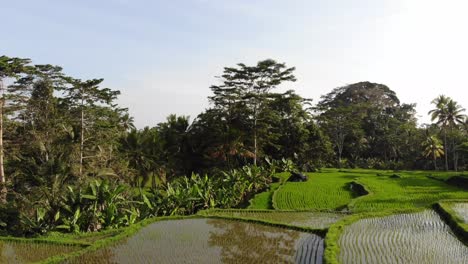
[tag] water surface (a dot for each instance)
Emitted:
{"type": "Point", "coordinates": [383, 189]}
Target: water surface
{"type": "Point", "coordinates": [211, 241]}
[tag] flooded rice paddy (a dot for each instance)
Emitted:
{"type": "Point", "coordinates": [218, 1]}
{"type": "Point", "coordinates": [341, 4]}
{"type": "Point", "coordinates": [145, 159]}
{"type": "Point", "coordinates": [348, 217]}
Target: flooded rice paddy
{"type": "Point", "coordinates": [12, 252]}
{"type": "Point", "coordinates": [305, 219]}
{"type": "Point", "coordinates": [404, 238]}
{"type": "Point", "coordinates": [461, 209]}
{"type": "Point", "coordinates": [211, 241]}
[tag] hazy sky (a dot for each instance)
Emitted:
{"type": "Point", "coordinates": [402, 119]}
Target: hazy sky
{"type": "Point", "coordinates": [163, 55]}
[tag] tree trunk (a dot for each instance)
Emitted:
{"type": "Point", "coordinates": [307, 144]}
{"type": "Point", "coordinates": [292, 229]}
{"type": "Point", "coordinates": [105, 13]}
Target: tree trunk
{"type": "Point", "coordinates": [445, 149]}
{"type": "Point", "coordinates": [339, 159]}
{"type": "Point", "coordinates": [3, 191]}
{"type": "Point", "coordinates": [255, 135]}
{"type": "Point", "coordinates": [255, 143]}
{"type": "Point", "coordinates": [434, 160]}
{"type": "Point", "coordinates": [81, 142]}
{"type": "Point", "coordinates": [454, 151]}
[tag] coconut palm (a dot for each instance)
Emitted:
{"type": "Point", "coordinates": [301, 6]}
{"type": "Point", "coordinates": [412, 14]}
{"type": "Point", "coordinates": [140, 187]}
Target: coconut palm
{"type": "Point", "coordinates": [454, 117]}
{"type": "Point", "coordinates": [433, 148]}
{"type": "Point", "coordinates": [127, 122]}
{"type": "Point", "coordinates": [439, 113]}
{"type": "Point", "coordinates": [448, 114]}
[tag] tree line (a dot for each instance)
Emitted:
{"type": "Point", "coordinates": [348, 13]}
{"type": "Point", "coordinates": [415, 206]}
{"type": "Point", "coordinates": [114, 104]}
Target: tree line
{"type": "Point", "coordinates": [65, 143]}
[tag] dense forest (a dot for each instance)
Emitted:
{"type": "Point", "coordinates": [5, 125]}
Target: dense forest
{"type": "Point", "coordinates": [71, 159]}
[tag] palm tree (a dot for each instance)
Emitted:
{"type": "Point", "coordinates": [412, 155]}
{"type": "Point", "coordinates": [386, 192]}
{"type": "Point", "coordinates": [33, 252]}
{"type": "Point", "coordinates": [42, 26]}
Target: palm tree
{"type": "Point", "coordinates": [433, 147]}
{"type": "Point", "coordinates": [127, 122]}
{"type": "Point", "coordinates": [439, 112]}
{"type": "Point", "coordinates": [448, 114]}
{"type": "Point", "coordinates": [454, 116]}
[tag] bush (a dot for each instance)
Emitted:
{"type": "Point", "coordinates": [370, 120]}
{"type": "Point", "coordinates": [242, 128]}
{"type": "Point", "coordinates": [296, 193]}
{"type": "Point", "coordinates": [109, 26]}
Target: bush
{"type": "Point", "coordinates": [10, 220]}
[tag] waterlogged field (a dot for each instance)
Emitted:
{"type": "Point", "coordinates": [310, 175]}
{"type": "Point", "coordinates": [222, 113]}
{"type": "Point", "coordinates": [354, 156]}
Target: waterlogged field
{"type": "Point", "coordinates": [461, 209]}
{"type": "Point", "coordinates": [211, 241]}
{"type": "Point", "coordinates": [389, 190]}
{"type": "Point", "coordinates": [22, 252]}
{"type": "Point", "coordinates": [404, 238]}
{"type": "Point", "coordinates": [328, 190]}
{"type": "Point", "coordinates": [318, 220]}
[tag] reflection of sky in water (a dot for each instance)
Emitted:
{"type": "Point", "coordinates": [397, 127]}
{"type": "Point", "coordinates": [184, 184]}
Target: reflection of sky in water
{"type": "Point", "coordinates": [462, 211]}
{"type": "Point", "coordinates": [307, 219]}
{"type": "Point", "coordinates": [20, 252]}
{"type": "Point", "coordinates": [210, 241]}
{"type": "Point", "coordinates": [403, 238]}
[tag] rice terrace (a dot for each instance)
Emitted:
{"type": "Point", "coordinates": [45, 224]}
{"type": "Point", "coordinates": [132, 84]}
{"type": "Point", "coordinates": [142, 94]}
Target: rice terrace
{"type": "Point", "coordinates": [414, 218]}
{"type": "Point", "coordinates": [234, 131]}
{"type": "Point", "coordinates": [259, 178]}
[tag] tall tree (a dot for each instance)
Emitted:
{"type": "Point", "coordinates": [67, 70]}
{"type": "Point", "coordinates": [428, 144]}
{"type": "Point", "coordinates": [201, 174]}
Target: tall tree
{"type": "Point", "coordinates": [366, 121]}
{"type": "Point", "coordinates": [454, 117]}
{"type": "Point", "coordinates": [438, 113]}
{"type": "Point", "coordinates": [87, 98]}
{"type": "Point", "coordinates": [174, 136]}
{"type": "Point", "coordinates": [9, 68]}
{"type": "Point", "coordinates": [36, 105]}
{"type": "Point", "coordinates": [448, 114]}
{"type": "Point", "coordinates": [248, 86]}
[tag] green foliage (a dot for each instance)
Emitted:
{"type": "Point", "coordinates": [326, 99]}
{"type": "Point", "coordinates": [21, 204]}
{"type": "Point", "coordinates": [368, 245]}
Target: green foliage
{"type": "Point", "coordinates": [74, 162]}
{"type": "Point", "coordinates": [264, 199]}
{"type": "Point", "coordinates": [366, 120]}
{"type": "Point", "coordinates": [90, 206]}
{"type": "Point", "coordinates": [10, 220]}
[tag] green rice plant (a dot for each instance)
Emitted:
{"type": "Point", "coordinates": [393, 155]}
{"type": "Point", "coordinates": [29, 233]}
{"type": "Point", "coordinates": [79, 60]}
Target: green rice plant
{"type": "Point", "coordinates": [263, 200]}
{"type": "Point", "coordinates": [24, 252]}
{"type": "Point", "coordinates": [331, 190]}
{"type": "Point", "coordinates": [403, 238]}
{"type": "Point", "coordinates": [210, 241]}
{"type": "Point", "coordinates": [321, 191]}
{"type": "Point", "coordinates": [409, 191]}
{"type": "Point", "coordinates": [308, 219]}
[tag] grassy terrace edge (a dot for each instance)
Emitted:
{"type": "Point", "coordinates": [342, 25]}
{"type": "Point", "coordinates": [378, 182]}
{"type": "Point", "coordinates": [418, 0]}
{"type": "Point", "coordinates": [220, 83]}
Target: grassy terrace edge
{"type": "Point", "coordinates": [125, 232]}
{"type": "Point", "coordinates": [332, 249]}
{"type": "Point", "coordinates": [211, 214]}
{"type": "Point", "coordinates": [366, 192]}
{"type": "Point", "coordinates": [46, 240]}
{"type": "Point", "coordinates": [264, 200]}
{"type": "Point", "coordinates": [444, 209]}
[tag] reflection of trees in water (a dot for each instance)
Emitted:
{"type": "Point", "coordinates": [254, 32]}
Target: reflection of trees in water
{"type": "Point", "coordinates": [242, 242]}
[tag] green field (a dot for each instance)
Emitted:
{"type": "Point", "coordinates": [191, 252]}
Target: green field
{"type": "Point", "coordinates": [337, 216]}
{"type": "Point", "coordinates": [388, 190]}
{"type": "Point", "coordinates": [327, 190]}
{"type": "Point", "coordinates": [264, 200]}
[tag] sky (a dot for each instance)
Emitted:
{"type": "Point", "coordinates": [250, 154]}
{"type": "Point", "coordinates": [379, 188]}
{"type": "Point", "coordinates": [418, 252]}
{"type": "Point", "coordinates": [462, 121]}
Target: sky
{"type": "Point", "coordinates": [164, 55]}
